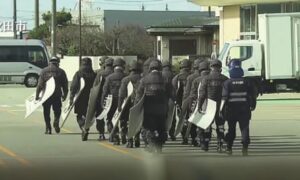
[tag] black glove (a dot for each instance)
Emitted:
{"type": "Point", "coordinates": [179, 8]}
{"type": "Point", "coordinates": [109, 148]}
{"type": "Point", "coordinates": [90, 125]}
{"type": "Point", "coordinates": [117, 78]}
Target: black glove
{"type": "Point", "coordinates": [37, 98]}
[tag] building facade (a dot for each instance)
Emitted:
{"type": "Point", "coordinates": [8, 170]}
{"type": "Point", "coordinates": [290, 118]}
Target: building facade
{"type": "Point", "coordinates": [239, 18]}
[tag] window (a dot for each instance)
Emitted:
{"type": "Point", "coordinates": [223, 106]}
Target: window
{"type": "Point", "coordinates": [12, 54]}
{"type": "Point", "coordinates": [290, 7]}
{"type": "Point", "coordinates": [36, 56]}
{"type": "Point", "coordinates": [239, 52]}
{"type": "Point", "coordinates": [248, 22]}
{"type": "Point", "coordinates": [31, 54]}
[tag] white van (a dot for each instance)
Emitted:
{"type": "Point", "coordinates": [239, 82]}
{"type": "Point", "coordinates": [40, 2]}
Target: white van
{"type": "Point", "coordinates": [21, 61]}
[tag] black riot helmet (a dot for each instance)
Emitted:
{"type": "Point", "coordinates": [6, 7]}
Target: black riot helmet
{"type": "Point", "coordinates": [155, 65]}
{"type": "Point", "coordinates": [204, 65]}
{"type": "Point", "coordinates": [185, 64]}
{"type": "Point", "coordinates": [86, 61]}
{"type": "Point", "coordinates": [109, 62]}
{"type": "Point", "coordinates": [54, 60]}
{"type": "Point", "coordinates": [119, 62]}
{"type": "Point", "coordinates": [216, 63]}
{"type": "Point", "coordinates": [147, 64]}
{"type": "Point", "coordinates": [196, 63]}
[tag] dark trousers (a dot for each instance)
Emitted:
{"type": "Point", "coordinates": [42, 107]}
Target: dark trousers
{"type": "Point", "coordinates": [244, 128]}
{"type": "Point", "coordinates": [100, 122]}
{"type": "Point", "coordinates": [80, 120]}
{"type": "Point", "coordinates": [220, 129]}
{"type": "Point", "coordinates": [55, 103]}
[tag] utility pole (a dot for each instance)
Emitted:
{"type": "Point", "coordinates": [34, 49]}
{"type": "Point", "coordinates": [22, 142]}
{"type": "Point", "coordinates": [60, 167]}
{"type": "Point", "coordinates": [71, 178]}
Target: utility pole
{"type": "Point", "coordinates": [15, 19]}
{"type": "Point", "coordinates": [37, 16]}
{"type": "Point", "coordinates": [53, 28]}
{"type": "Point", "coordinates": [79, 18]}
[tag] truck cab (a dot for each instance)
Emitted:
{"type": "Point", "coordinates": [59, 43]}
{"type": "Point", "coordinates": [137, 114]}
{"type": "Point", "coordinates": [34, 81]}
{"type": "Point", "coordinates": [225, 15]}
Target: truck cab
{"type": "Point", "coordinates": [248, 51]}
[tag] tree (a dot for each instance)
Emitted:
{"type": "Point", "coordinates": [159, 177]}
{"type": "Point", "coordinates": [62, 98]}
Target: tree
{"type": "Point", "coordinates": [43, 31]}
{"type": "Point", "coordinates": [62, 18]}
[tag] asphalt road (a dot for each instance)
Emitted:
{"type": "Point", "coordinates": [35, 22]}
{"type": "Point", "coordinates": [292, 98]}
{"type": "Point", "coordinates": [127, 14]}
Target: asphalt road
{"type": "Point", "coordinates": [26, 153]}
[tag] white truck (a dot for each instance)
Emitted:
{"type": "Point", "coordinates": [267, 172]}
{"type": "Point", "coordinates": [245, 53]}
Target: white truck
{"type": "Point", "coordinates": [273, 60]}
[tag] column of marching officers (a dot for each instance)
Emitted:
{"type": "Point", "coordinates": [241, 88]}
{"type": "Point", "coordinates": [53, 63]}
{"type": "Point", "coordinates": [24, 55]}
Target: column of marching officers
{"type": "Point", "coordinates": [156, 84]}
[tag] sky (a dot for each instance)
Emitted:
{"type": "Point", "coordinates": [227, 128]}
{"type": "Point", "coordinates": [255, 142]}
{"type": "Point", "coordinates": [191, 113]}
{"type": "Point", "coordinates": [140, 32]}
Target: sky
{"type": "Point", "coordinates": [25, 8]}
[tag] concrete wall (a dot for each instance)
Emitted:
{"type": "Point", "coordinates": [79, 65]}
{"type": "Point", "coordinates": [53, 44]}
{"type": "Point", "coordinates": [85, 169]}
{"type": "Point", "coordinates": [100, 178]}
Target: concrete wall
{"type": "Point", "coordinates": [229, 24]}
{"type": "Point", "coordinates": [71, 63]}
{"type": "Point", "coordinates": [165, 45]}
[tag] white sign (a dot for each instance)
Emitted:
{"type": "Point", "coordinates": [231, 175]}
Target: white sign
{"type": "Point", "coordinates": [7, 26]}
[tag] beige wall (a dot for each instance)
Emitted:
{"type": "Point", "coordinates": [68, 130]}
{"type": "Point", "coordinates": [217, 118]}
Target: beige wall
{"type": "Point", "coordinates": [229, 24]}
{"type": "Point", "coordinates": [71, 63]}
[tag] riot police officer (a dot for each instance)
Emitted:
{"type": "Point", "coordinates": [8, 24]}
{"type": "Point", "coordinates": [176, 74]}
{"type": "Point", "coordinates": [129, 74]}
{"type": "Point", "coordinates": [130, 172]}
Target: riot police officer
{"type": "Point", "coordinates": [179, 82]}
{"type": "Point", "coordinates": [59, 95]}
{"type": "Point", "coordinates": [186, 105]}
{"type": "Point", "coordinates": [211, 88]}
{"type": "Point", "coordinates": [111, 86]}
{"type": "Point", "coordinates": [134, 78]}
{"type": "Point", "coordinates": [100, 78]}
{"type": "Point", "coordinates": [156, 95]}
{"type": "Point", "coordinates": [239, 95]}
{"type": "Point", "coordinates": [86, 72]}
{"type": "Point", "coordinates": [204, 71]}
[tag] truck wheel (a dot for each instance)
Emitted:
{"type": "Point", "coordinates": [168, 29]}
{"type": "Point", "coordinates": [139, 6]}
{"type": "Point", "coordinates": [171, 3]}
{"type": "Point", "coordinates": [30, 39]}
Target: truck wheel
{"type": "Point", "coordinates": [31, 80]}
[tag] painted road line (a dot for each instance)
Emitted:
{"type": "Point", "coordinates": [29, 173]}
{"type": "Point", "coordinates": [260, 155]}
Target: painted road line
{"type": "Point", "coordinates": [13, 155]}
{"type": "Point", "coordinates": [8, 111]}
{"type": "Point", "coordinates": [5, 106]}
{"type": "Point", "coordinates": [111, 147]}
{"type": "Point", "coordinates": [122, 151]}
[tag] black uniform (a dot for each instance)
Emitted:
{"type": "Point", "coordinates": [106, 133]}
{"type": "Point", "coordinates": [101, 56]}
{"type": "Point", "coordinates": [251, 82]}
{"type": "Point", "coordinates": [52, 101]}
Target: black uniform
{"type": "Point", "coordinates": [60, 92]}
{"type": "Point", "coordinates": [156, 99]}
{"type": "Point", "coordinates": [179, 82]}
{"type": "Point", "coordinates": [239, 95]}
{"type": "Point", "coordinates": [134, 77]}
{"type": "Point", "coordinates": [86, 72]}
{"type": "Point", "coordinates": [145, 72]}
{"type": "Point", "coordinates": [186, 104]}
{"type": "Point", "coordinates": [100, 124]}
{"type": "Point", "coordinates": [211, 88]}
{"type": "Point", "coordinates": [111, 86]}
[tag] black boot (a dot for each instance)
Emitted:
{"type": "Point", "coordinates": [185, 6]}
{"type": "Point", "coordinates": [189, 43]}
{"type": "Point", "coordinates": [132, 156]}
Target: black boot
{"type": "Point", "coordinates": [245, 150]}
{"type": "Point", "coordinates": [204, 146]}
{"type": "Point", "coordinates": [84, 135]}
{"type": "Point", "coordinates": [220, 147]}
{"type": "Point", "coordinates": [194, 142]}
{"type": "Point", "coordinates": [116, 140]}
{"type": "Point", "coordinates": [173, 138]}
{"type": "Point", "coordinates": [185, 141]}
{"type": "Point", "coordinates": [48, 130]}
{"type": "Point", "coordinates": [123, 139]}
{"type": "Point", "coordinates": [229, 150]}
{"type": "Point", "coordinates": [101, 137]}
{"type": "Point", "coordinates": [137, 142]}
{"type": "Point", "coordinates": [130, 143]}
{"type": "Point", "coordinates": [56, 125]}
